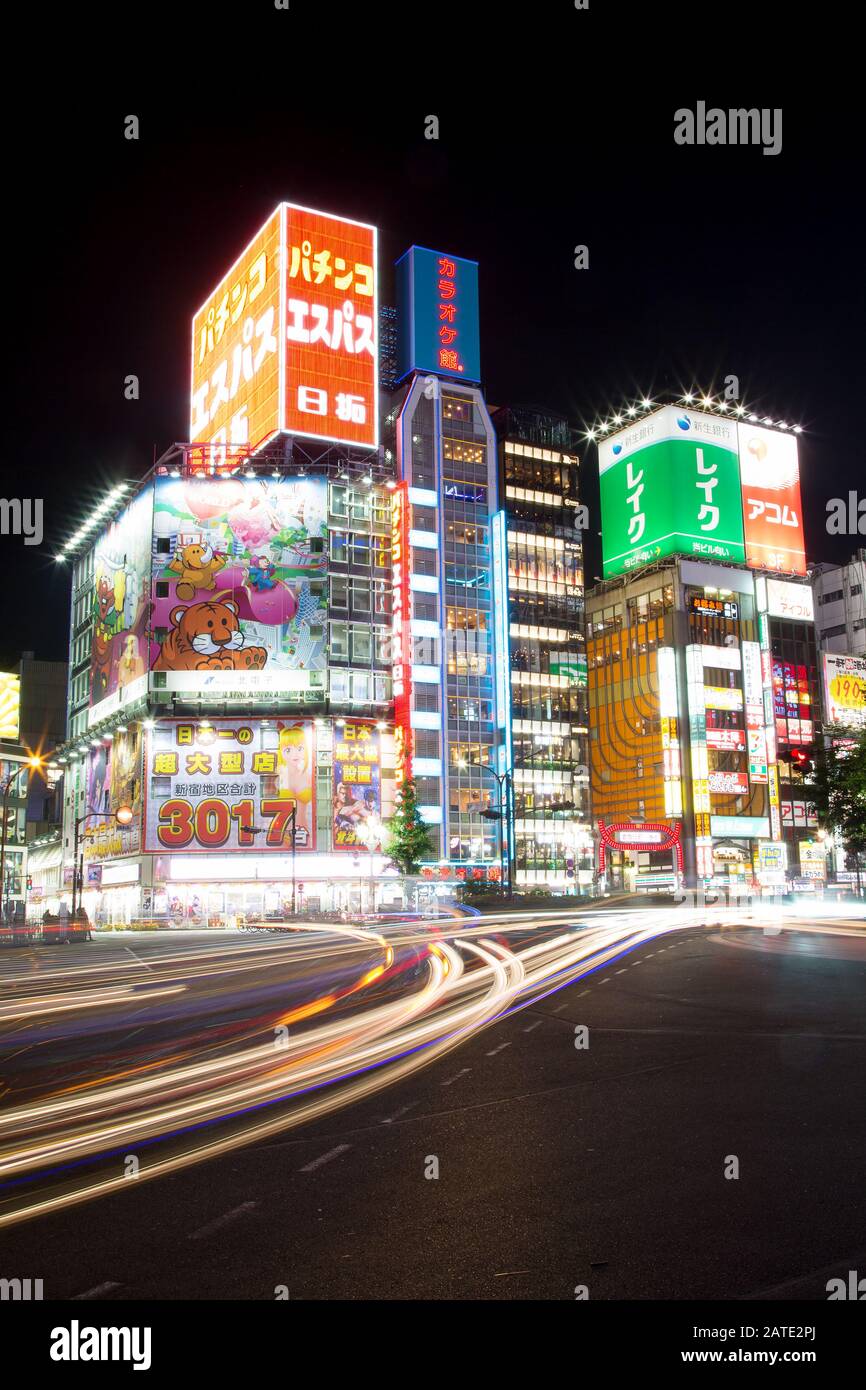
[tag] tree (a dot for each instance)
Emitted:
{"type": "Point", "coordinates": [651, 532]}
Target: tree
{"type": "Point", "coordinates": [408, 839]}
{"type": "Point", "coordinates": [839, 791]}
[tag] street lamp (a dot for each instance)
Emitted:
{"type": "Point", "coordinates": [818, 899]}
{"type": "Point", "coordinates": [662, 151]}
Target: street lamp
{"type": "Point", "coordinates": [505, 817]}
{"type": "Point", "coordinates": [123, 815]}
{"type": "Point", "coordinates": [31, 764]}
{"type": "Point", "coordinates": [370, 832]}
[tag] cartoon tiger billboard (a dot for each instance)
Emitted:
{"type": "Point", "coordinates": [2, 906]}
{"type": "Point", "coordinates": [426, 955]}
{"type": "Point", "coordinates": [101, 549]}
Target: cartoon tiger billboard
{"type": "Point", "coordinates": [238, 577]}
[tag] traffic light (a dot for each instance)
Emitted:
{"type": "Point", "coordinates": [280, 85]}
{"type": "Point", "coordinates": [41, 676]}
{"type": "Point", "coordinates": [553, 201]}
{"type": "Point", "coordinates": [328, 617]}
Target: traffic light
{"type": "Point", "coordinates": [489, 814]}
{"type": "Point", "coordinates": [802, 760]}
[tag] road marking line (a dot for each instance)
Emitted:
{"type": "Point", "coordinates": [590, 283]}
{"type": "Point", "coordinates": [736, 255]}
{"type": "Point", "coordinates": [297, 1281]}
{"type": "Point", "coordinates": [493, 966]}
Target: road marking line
{"type": "Point", "coordinates": [223, 1220]}
{"type": "Point", "coordinates": [537, 1024]}
{"type": "Point", "coordinates": [325, 1158]}
{"type": "Point", "coordinates": [397, 1113]}
{"type": "Point", "coordinates": [498, 1049]}
{"type": "Point", "coordinates": [94, 1293]}
{"type": "Point", "coordinates": [582, 993]}
{"type": "Point", "coordinates": [622, 972]}
{"type": "Point", "coordinates": [452, 1079]}
{"type": "Point", "coordinates": [605, 980]}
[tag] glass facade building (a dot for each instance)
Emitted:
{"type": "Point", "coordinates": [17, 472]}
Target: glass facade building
{"type": "Point", "coordinates": [538, 471]}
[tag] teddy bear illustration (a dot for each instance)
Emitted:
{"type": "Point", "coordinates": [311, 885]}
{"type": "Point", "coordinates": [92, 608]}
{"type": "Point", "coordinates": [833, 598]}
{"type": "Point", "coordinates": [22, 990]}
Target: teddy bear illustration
{"type": "Point", "coordinates": [196, 566]}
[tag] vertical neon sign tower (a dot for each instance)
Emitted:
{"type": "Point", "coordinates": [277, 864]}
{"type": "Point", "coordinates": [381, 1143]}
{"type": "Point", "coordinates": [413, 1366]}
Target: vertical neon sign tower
{"type": "Point", "coordinates": [456, 566]}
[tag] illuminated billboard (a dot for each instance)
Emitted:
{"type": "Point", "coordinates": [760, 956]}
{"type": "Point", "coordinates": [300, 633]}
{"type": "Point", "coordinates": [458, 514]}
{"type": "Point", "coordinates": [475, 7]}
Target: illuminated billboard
{"type": "Point", "coordinates": [845, 690]}
{"type": "Point", "coordinates": [792, 601]}
{"type": "Point", "coordinates": [113, 779]}
{"type": "Point", "coordinates": [438, 332]}
{"type": "Point", "coordinates": [401, 631]}
{"type": "Point", "coordinates": [231, 785]}
{"type": "Point", "coordinates": [792, 703]}
{"type": "Point", "coordinates": [235, 388]}
{"type": "Point", "coordinates": [288, 341]}
{"type": "Point", "coordinates": [357, 807]}
{"type": "Point", "coordinates": [772, 511]}
{"type": "Point", "coordinates": [670, 485]}
{"type": "Point", "coordinates": [10, 705]}
{"type": "Point", "coordinates": [239, 571]}
{"type": "Point", "coordinates": [120, 604]}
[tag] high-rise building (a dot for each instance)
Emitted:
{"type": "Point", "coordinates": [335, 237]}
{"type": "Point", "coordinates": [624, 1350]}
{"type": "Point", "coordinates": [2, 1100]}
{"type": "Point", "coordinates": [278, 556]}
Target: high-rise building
{"type": "Point", "coordinates": [229, 749]}
{"type": "Point", "coordinates": [703, 682]}
{"type": "Point", "coordinates": [538, 478]}
{"type": "Point", "coordinates": [236, 692]}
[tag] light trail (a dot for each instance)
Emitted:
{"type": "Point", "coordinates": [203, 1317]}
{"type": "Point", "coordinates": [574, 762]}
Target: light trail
{"type": "Point", "coordinates": [378, 1006]}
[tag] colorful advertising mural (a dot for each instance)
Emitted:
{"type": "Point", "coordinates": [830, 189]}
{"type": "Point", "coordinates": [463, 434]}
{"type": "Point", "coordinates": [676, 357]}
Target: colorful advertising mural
{"type": "Point", "coordinates": [357, 786]}
{"type": "Point", "coordinates": [437, 296]}
{"type": "Point", "coordinates": [772, 511]}
{"type": "Point", "coordinates": [231, 784]}
{"type": "Point", "coordinates": [288, 339]}
{"type": "Point", "coordinates": [113, 780]}
{"type": "Point", "coordinates": [670, 485]}
{"type": "Point", "coordinates": [238, 581]}
{"type": "Point", "coordinates": [845, 690]}
{"type": "Point", "coordinates": [121, 610]}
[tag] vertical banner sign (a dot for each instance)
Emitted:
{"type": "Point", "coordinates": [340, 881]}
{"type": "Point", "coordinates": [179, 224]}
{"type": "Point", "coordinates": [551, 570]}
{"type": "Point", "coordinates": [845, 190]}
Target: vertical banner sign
{"type": "Point", "coordinates": [669, 717]}
{"type": "Point", "coordinates": [288, 340]}
{"type": "Point", "coordinates": [772, 511]}
{"type": "Point", "coordinates": [670, 485]}
{"type": "Point", "coordinates": [230, 786]}
{"type": "Point", "coordinates": [501, 659]}
{"type": "Point", "coordinates": [121, 610]}
{"type": "Point", "coordinates": [437, 298]}
{"type": "Point", "coordinates": [357, 785]}
{"type": "Point", "coordinates": [700, 762]}
{"type": "Point", "coordinates": [753, 690]}
{"type": "Point", "coordinates": [401, 632]}
{"type": "Point", "coordinates": [769, 719]}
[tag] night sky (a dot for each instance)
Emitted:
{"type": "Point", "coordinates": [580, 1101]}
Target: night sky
{"type": "Point", "coordinates": [554, 132]}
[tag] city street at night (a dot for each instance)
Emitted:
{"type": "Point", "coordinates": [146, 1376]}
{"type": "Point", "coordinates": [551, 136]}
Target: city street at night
{"type": "Point", "coordinates": [476, 1109]}
{"type": "Point", "coordinates": [432, 693]}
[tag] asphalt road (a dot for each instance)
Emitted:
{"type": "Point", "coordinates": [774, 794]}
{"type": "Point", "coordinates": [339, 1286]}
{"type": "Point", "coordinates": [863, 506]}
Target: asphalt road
{"type": "Point", "coordinates": [558, 1166]}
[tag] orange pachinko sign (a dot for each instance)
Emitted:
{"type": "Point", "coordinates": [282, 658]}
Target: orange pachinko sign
{"type": "Point", "coordinates": [772, 511]}
{"type": "Point", "coordinates": [288, 341]}
{"type": "Point", "coordinates": [235, 391]}
{"type": "Point", "coordinates": [331, 330]}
